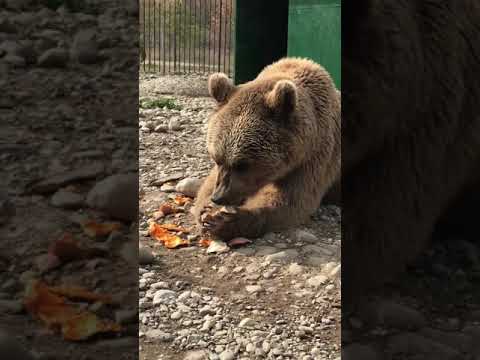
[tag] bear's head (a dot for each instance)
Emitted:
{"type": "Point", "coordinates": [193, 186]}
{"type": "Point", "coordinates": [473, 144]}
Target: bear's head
{"type": "Point", "coordinates": [251, 135]}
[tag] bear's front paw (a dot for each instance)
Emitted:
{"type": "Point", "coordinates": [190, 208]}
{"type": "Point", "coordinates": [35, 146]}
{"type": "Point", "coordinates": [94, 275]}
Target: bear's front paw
{"type": "Point", "coordinates": [220, 222]}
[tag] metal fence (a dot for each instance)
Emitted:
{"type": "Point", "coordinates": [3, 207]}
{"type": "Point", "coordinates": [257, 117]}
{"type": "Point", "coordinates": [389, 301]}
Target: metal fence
{"type": "Point", "coordinates": [187, 36]}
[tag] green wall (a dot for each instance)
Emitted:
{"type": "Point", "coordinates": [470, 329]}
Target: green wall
{"type": "Point", "coordinates": [260, 36]}
{"type": "Point", "coordinates": [268, 30]}
{"type": "Point", "coordinates": [314, 31]}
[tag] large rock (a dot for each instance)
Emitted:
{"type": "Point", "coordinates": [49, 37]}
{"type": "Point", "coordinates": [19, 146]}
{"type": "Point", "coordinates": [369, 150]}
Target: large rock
{"type": "Point", "coordinates": [117, 195]}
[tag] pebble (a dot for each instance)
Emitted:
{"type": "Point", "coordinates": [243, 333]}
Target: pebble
{"type": "Point", "coordinates": [189, 186]}
{"type": "Point", "coordinates": [159, 335]}
{"type": "Point", "coordinates": [217, 247]}
{"type": "Point", "coordinates": [247, 323]}
{"type": "Point", "coordinates": [227, 355]}
{"type": "Point", "coordinates": [117, 195]}
{"type": "Point", "coordinates": [251, 289]}
{"type": "Point", "coordinates": [305, 236]}
{"type": "Point", "coordinates": [286, 255]}
{"type": "Point", "coordinates": [317, 281]}
{"type": "Point", "coordinates": [163, 296]}
{"type": "Point", "coordinates": [197, 355]}
{"type": "Point", "coordinates": [145, 255]}
{"type": "Point", "coordinates": [176, 315]}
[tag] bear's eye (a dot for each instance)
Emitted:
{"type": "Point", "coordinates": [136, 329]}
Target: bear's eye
{"type": "Point", "coordinates": [241, 166]}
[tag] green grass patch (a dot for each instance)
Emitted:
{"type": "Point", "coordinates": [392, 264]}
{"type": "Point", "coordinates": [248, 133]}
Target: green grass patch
{"type": "Point", "coordinates": [162, 103]}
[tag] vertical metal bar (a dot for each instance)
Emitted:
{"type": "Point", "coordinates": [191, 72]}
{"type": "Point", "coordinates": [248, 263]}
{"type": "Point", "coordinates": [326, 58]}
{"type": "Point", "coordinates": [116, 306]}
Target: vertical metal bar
{"type": "Point", "coordinates": [174, 36]}
{"type": "Point", "coordinates": [214, 33]}
{"type": "Point", "coordinates": [184, 35]}
{"type": "Point", "coordinates": [164, 38]}
{"type": "Point", "coordinates": [144, 45]}
{"type": "Point", "coordinates": [194, 35]}
{"type": "Point", "coordinates": [209, 34]}
{"type": "Point", "coordinates": [225, 40]}
{"type": "Point", "coordinates": [169, 35]}
{"type": "Point", "coordinates": [149, 36]}
{"type": "Point", "coordinates": [189, 35]}
{"type": "Point", "coordinates": [154, 34]}
{"type": "Point", "coordinates": [220, 38]}
{"type": "Point", "coordinates": [205, 39]}
{"type": "Point", "coordinates": [230, 17]}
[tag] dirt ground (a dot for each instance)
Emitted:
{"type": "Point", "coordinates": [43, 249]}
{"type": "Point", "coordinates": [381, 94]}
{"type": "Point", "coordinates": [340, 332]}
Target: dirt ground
{"type": "Point", "coordinates": [277, 298]}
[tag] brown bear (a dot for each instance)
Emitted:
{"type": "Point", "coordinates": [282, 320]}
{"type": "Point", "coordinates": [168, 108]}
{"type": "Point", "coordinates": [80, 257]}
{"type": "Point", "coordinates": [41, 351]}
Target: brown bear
{"type": "Point", "coordinates": [276, 146]}
{"type": "Point", "coordinates": [411, 130]}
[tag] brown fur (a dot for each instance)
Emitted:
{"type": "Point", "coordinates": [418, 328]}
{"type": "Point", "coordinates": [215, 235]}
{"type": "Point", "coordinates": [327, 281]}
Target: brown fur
{"type": "Point", "coordinates": [411, 129]}
{"type": "Point", "coordinates": [276, 143]}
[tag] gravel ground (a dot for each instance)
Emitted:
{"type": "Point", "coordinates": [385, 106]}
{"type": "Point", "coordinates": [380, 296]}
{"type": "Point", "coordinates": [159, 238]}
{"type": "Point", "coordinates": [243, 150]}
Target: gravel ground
{"type": "Point", "coordinates": [277, 298]}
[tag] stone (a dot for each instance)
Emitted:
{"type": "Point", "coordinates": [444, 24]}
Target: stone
{"type": "Point", "coordinates": [53, 58]}
{"type": "Point", "coordinates": [294, 269]}
{"type": "Point", "coordinates": [67, 200]}
{"type": "Point", "coordinates": [217, 247]}
{"type": "Point", "coordinates": [174, 124]}
{"type": "Point", "coordinates": [59, 180]}
{"type": "Point", "coordinates": [117, 195]}
{"type": "Point", "coordinates": [145, 255]}
{"type": "Point", "coordinates": [247, 323]}
{"type": "Point", "coordinates": [189, 186]}
{"type": "Point", "coordinates": [84, 49]}
{"type": "Point", "coordinates": [167, 178]}
{"type": "Point", "coordinates": [266, 250]}
{"type": "Point", "coordinates": [251, 289]}
{"type": "Point", "coordinates": [176, 315]}
{"type": "Point", "coordinates": [197, 355]}
{"type": "Point", "coordinates": [281, 256]}
{"type": "Point", "coordinates": [227, 355]}
{"type": "Point", "coordinates": [317, 281]}
{"type": "Point", "coordinates": [304, 236]}
{"type": "Point", "coordinates": [163, 296]}
{"type": "Point", "coordinates": [159, 335]}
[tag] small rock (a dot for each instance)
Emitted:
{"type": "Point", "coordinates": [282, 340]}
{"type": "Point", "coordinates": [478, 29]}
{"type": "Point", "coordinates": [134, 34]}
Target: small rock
{"type": "Point", "coordinates": [317, 281]}
{"type": "Point", "coordinates": [176, 315]}
{"type": "Point", "coordinates": [247, 323]}
{"type": "Point", "coordinates": [117, 195]}
{"type": "Point", "coordinates": [67, 200]}
{"type": "Point", "coordinates": [145, 255]}
{"type": "Point", "coordinates": [251, 289]}
{"type": "Point", "coordinates": [227, 355]}
{"type": "Point", "coordinates": [163, 296]}
{"type": "Point", "coordinates": [197, 355]}
{"type": "Point", "coordinates": [53, 58]}
{"type": "Point", "coordinates": [159, 335]}
{"type": "Point", "coordinates": [161, 128]}
{"type": "Point", "coordinates": [189, 186]}
{"type": "Point", "coordinates": [217, 247]}
{"type": "Point", "coordinates": [305, 236]}
{"type": "Point", "coordinates": [286, 255]}
{"type": "Point", "coordinates": [295, 269]}
{"type": "Point", "coordinates": [174, 124]}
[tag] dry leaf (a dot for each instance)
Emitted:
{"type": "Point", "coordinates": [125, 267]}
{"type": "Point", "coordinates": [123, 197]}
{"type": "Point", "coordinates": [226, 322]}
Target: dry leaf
{"type": "Point", "coordinates": [168, 209]}
{"type": "Point", "coordinates": [66, 249]}
{"type": "Point", "coordinates": [94, 229]}
{"type": "Point", "coordinates": [162, 234]}
{"type": "Point", "coordinates": [174, 227]}
{"type": "Point", "coordinates": [204, 242]}
{"type": "Point", "coordinates": [45, 303]}
{"type": "Point", "coordinates": [182, 200]}
{"type": "Point", "coordinates": [79, 293]}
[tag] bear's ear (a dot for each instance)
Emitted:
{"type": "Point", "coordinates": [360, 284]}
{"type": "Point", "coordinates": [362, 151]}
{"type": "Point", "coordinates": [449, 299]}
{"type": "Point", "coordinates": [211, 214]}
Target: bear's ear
{"type": "Point", "coordinates": [220, 87]}
{"type": "Point", "coordinates": [283, 97]}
